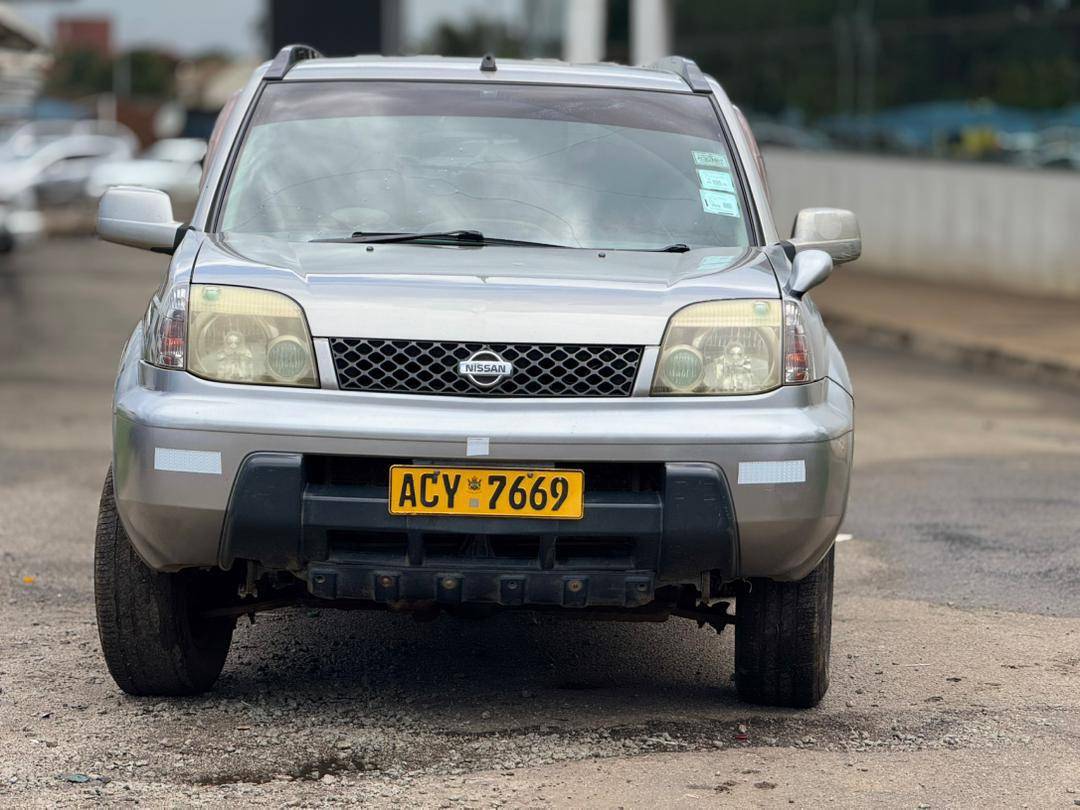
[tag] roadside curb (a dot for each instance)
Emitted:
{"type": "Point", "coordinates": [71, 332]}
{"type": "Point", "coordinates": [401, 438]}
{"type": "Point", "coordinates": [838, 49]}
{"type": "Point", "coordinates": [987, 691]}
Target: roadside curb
{"type": "Point", "coordinates": [971, 355]}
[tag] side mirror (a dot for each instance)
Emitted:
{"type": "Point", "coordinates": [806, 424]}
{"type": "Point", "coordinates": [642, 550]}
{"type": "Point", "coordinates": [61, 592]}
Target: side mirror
{"type": "Point", "coordinates": [833, 230]}
{"type": "Point", "coordinates": [139, 217]}
{"type": "Point", "coordinates": [810, 268]}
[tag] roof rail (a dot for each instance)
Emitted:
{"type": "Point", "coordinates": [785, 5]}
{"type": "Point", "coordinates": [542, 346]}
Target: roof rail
{"type": "Point", "coordinates": [687, 69]}
{"type": "Point", "coordinates": [286, 58]}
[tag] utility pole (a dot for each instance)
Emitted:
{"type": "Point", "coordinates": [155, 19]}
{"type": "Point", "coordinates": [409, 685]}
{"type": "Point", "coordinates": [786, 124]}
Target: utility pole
{"type": "Point", "coordinates": [845, 64]}
{"type": "Point", "coordinates": [650, 30]}
{"type": "Point", "coordinates": [584, 30]}
{"type": "Point", "coordinates": [108, 103]}
{"type": "Point", "coordinates": [866, 41]}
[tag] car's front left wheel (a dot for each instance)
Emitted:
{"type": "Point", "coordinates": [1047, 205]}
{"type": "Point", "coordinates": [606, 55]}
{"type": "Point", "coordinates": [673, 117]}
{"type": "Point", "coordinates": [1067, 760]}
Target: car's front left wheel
{"type": "Point", "coordinates": [153, 634]}
{"type": "Point", "coordinates": [783, 632]}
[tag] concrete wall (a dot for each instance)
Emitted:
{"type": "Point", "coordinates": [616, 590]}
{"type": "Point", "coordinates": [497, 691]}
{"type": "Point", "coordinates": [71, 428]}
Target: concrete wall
{"type": "Point", "coordinates": [969, 223]}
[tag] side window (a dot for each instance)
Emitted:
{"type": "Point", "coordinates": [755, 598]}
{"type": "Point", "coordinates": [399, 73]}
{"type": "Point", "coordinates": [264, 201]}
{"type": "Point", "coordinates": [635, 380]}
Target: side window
{"type": "Point", "coordinates": [215, 136]}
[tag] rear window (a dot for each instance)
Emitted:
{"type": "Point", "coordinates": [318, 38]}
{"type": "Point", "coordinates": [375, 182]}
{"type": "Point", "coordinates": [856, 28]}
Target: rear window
{"type": "Point", "coordinates": [575, 166]}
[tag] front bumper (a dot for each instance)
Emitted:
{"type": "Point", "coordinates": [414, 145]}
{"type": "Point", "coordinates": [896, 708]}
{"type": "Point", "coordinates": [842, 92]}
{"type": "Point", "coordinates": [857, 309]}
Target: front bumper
{"type": "Point", "coordinates": [184, 448]}
{"type": "Point", "coordinates": [326, 518]}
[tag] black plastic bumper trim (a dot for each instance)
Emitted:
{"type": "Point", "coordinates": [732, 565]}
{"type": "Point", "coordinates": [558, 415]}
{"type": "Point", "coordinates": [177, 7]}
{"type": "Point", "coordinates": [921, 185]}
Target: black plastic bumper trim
{"type": "Point", "coordinates": [278, 518]}
{"type": "Point", "coordinates": [606, 513]}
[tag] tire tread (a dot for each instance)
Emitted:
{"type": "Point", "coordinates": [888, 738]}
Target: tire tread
{"type": "Point", "coordinates": [783, 634]}
{"type": "Point", "coordinates": [143, 617]}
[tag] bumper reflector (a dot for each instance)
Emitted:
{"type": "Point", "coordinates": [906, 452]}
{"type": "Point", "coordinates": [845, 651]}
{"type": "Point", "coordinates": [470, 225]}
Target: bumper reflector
{"type": "Point", "coordinates": [168, 459]}
{"type": "Point", "coordinates": [772, 472]}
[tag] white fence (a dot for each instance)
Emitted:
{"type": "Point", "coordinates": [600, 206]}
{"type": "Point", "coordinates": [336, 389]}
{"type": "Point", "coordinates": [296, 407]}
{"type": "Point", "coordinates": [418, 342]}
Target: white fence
{"type": "Point", "coordinates": [969, 223]}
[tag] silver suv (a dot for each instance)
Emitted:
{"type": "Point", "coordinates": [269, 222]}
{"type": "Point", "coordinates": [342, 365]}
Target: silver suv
{"type": "Point", "coordinates": [465, 335]}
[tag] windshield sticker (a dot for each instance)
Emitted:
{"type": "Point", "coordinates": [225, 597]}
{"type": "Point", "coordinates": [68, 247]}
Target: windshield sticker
{"type": "Point", "coordinates": [719, 202]}
{"type": "Point", "coordinates": [717, 181]}
{"type": "Point", "coordinates": [714, 159]}
{"type": "Point", "coordinates": [715, 262]}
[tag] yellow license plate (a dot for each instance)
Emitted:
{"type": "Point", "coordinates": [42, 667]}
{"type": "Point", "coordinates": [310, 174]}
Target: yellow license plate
{"type": "Point", "coordinates": [478, 492]}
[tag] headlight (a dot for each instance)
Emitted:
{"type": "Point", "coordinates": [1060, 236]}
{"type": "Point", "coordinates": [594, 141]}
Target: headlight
{"type": "Point", "coordinates": [241, 335]}
{"type": "Point", "coordinates": [721, 348]}
{"type": "Point", "coordinates": [232, 334]}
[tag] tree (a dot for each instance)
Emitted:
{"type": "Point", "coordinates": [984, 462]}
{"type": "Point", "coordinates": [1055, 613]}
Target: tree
{"type": "Point", "coordinates": [475, 37]}
{"type": "Point", "coordinates": [142, 73]}
{"type": "Point", "coordinates": [812, 54]}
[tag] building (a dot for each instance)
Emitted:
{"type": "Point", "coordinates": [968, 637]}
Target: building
{"type": "Point", "coordinates": [24, 58]}
{"type": "Point", "coordinates": [84, 34]}
{"type": "Point", "coordinates": [340, 28]}
{"type": "Point", "coordinates": [577, 30]}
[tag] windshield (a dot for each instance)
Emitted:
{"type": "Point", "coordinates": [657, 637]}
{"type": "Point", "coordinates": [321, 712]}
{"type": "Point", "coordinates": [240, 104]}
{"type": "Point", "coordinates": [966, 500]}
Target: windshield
{"type": "Point", "coordinates": [571, 166]}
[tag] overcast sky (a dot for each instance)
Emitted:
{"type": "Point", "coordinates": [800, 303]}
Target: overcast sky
{"type": "Point", "coordinates": [192, 26]}
{"type": "Point", "coordinates": [182, 26]}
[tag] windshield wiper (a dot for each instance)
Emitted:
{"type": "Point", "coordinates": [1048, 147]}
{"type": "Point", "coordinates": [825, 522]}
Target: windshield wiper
{"type": "Point", "coordinates": [465, 237]}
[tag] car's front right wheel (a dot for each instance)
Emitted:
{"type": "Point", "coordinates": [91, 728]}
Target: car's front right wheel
{"type": "Point", "coordinates": [153, 634]}
{"type": "Point", "coordinates": [783, 632]}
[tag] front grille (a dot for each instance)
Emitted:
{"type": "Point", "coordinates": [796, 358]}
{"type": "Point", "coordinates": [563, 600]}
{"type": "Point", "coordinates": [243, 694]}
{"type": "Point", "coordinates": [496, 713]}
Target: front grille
{"type": "Point", "coordinates": [431, 367]}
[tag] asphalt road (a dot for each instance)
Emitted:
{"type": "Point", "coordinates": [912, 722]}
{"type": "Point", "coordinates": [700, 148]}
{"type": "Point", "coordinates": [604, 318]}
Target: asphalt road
{"type": "Point", "coordinates": [967, 486]}
{"type": "Point", "coordinates": [956, 648]}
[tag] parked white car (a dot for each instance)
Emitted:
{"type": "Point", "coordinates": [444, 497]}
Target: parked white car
{"type": "Point", "coordinates": [54, 163]}
{"type": "Point", "coordinates": [172, 165]}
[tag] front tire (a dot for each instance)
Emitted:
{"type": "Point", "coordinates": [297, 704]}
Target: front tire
{"type": "Point", "coordinates": [153, 637]}
{"type": "Point", "coordinates": [783, 632]}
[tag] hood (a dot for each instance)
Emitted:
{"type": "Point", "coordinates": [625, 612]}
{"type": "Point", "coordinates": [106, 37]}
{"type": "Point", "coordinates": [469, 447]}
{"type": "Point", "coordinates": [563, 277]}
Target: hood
{"type": "Point", "coordinates": [485, 294]}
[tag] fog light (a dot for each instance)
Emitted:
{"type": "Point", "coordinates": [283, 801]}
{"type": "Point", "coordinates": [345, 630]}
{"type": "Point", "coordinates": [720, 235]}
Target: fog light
{"type": "Point", "coordinates": [287, 358]}
{"type": "Point", "coordinates": [681, 368]}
